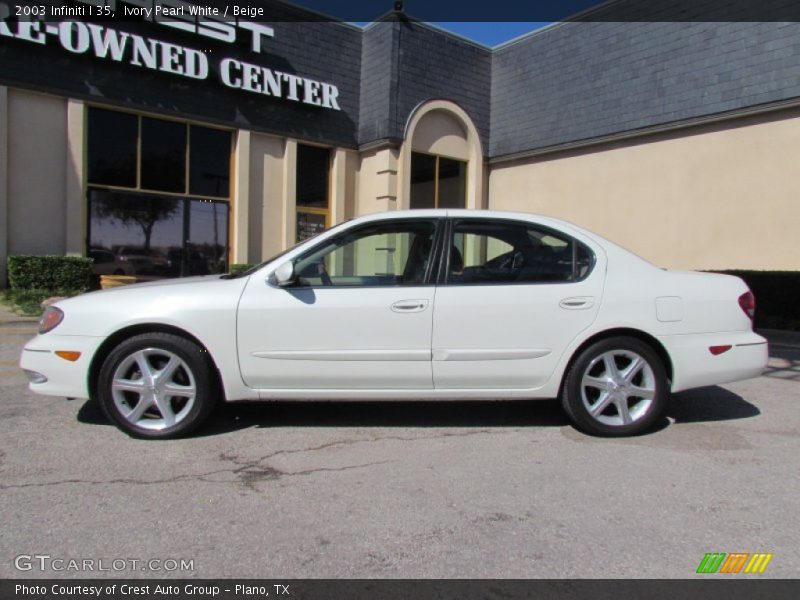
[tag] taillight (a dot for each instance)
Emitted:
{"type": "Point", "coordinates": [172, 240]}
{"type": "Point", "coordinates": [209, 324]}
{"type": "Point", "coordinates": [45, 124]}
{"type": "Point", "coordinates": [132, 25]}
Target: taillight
{"type": "Point", "coordinates": [748, 303]}
{"type": "Point", "coordinates": [50, 319]}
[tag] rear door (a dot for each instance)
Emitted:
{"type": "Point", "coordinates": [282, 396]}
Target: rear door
{"type": "Point", "coordinates": [513, 294]}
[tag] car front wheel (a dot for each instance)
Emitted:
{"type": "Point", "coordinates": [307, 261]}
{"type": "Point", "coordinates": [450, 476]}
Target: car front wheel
{"type": "Point", "coordinates": [157, 385]}
{"type": "Point", "coordinates": [616, 387]}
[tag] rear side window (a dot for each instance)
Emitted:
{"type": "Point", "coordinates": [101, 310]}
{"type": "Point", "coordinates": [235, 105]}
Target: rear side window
{"type": "Point", "coordinates": [510, 252]}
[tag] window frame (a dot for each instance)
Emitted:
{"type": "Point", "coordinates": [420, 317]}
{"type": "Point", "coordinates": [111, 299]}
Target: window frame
{"type": "Point", "coordinates": [431, 274]}
{"type": "Point", "coordinates": [443, 276]}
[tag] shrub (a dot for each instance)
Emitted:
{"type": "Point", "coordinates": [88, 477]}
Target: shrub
{"type": "Point", "coordinates": [49, 272]}
{"type": "Point", "coordinates": [239, 267]}
{"type": "Point", "coordinates": [777, 297]}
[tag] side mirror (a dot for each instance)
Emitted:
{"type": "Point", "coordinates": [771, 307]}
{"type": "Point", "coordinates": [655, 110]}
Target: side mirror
{"type": "Point", "coordinates": [284, 275]}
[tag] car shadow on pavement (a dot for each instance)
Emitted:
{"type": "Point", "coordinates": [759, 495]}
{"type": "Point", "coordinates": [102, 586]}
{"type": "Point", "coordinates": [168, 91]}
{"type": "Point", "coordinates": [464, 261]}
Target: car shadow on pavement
{"type": "Point", "coordinates": [705, 404]}
{"type": "Point", "coordinates": [233, 416]}
{"type": "Point", "coordinates": [712, 403]}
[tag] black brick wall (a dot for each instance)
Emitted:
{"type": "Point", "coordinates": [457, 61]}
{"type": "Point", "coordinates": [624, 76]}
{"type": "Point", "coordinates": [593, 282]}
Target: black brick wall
{"type": "Point", "coordinates": [378, 81]}
{"type": "Point", "coordinates": [577, 81]}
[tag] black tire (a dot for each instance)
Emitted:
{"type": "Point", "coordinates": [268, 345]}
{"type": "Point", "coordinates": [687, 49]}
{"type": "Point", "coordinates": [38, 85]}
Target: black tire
{"type": "Point", "coordinates": [194, 370]}
{"type": "Point", "coordinates": [610, 420]}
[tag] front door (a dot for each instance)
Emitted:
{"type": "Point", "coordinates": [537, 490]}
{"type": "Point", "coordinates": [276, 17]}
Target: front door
{"type": "Point", "coordinates": [359, 315]}
{"type": "Point", "coordinates": [514, 295]}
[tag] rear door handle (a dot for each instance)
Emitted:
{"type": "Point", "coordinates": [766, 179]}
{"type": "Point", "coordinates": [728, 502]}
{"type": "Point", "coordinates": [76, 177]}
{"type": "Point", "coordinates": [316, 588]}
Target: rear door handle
{"type": "Point", "coordinates": [577, 303]}
{"type": "Point", "coordinates": [407, 306]}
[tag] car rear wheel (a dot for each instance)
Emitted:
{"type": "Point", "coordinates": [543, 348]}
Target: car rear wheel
{"type": "Point", "coordinates": [157, 385]}
{"type": "Point", "coordinates": [616, 387]}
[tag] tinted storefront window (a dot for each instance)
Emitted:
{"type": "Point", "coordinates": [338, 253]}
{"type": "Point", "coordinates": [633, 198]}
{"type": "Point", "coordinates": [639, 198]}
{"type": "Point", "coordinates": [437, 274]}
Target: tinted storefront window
{"type": "Point", "coordinates": [163, 155]}
{"type": "Point", "coordinates": [153, 236]}
{"type": "Point", "coordinates": [172, 220]}
{"type": "Point", "coordinates": [423, 180]}
{"type": "Point", "coordinates": [313, 173]}
{"type": "Point", "coordinates": [112, 141]}
{"type": "Point", "coordinates": [209, 162]}
{"type": "Point", "coordinates": [437, 182]}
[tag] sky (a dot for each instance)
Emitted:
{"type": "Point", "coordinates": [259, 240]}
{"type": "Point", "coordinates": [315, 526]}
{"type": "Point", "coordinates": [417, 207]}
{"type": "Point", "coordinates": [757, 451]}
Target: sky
{"type": "Point", "coordinates": [488, 34]}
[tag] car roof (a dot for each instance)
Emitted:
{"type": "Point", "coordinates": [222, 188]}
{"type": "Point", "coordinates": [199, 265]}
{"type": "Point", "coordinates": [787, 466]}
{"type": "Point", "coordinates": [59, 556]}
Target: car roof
{"type": "Point", "coordinates": [423, 213]}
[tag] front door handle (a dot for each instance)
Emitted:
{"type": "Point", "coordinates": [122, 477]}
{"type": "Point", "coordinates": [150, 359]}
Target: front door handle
{"type": "Point", "coordinates": [577, 303]}
{"type": "Point", "coordinates": [407, 306]}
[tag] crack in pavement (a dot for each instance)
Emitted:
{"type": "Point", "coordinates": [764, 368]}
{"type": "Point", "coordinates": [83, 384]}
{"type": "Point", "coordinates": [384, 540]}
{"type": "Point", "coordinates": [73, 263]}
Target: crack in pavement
{"type": "Point", "coordinates": [251, 471]}
{"type": "Point", "coordinates": [248, 477]}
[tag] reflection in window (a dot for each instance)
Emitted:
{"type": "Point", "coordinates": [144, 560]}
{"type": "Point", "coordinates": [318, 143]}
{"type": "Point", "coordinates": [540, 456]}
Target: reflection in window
{"type": "Point", "coordinates": [437, 182]}
{"type": "Point", "coordinates": [376, 255]}
{"type": "Point", "coordinates": [154, 236]}
{"type": "Point", "coordinates": [112, 139]}
{"type": "Point", "coordinates": [497, 252]}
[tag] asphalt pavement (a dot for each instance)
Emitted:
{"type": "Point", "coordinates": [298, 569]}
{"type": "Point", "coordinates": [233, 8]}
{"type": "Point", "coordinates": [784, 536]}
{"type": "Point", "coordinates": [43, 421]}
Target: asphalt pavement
{"type": "Point", "coordinates": [467, 489]}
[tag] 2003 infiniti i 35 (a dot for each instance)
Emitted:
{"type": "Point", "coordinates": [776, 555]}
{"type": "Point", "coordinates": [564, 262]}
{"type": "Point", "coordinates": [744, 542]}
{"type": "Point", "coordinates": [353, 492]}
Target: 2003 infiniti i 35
{"type": "Point", "coordinates": [411, 305]}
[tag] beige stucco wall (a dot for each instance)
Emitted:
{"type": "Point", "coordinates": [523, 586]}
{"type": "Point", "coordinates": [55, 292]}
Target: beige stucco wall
{"type": "Point", "coordinates": [439, 132]}
{"type": "Point", "coordinates": [720, 196]}
{"type": "Point", "coordinates": [377, 181]}
{"type": "Point", "coordinates": [36, 180]}
{"type": "Point", "coordinates": [266, 196]}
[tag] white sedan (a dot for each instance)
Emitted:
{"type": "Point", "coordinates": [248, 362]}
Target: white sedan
{"type": "Point", "coordinates": [409, 305]}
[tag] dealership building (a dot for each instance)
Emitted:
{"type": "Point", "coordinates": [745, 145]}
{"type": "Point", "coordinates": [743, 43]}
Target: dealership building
{"type": "Point", "coordinates": [174, 144]}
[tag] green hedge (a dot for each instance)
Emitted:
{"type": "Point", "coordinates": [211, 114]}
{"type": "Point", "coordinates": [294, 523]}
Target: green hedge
{"type": "Point", "coordinates": [239, 267]}
{"type": "Point", "coordinates": [49, 272]}
{"type": "Point", "coordinates": [777, 297]}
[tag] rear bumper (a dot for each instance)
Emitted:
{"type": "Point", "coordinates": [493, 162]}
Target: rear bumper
{"type": "Point", "coordinates": [695, 366]}
{"type": "Point", "coordinates": [63, 377]}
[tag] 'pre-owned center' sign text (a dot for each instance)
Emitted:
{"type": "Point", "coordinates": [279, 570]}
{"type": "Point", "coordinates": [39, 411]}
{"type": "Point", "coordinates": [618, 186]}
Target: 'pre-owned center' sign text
{"type": "Point", "coordinates": [107, 43]}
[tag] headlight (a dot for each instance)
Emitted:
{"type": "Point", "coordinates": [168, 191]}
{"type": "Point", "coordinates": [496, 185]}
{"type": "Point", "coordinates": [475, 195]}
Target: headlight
{"type": "Point", "coordinates": [50, 319]}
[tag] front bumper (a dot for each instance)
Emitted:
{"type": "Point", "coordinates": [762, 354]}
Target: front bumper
{"type": "Point", "coordinates": [63, 377]}
{"type": "Point", "coordinates": [695, 366]}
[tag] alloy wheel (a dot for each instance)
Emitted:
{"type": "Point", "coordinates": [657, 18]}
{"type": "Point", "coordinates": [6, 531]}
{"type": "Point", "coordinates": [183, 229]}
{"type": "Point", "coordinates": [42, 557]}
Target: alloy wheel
{"type": "Point", "coordinates": [153, 389]}
{"type": "Point", "coordinates": [618, 387]}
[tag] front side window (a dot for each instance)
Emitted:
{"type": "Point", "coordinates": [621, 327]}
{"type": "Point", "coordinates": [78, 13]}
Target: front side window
{"type": "Point", "coordinates": [383, 254]}
{"type": "Point", "coordinates": [497, 252]}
